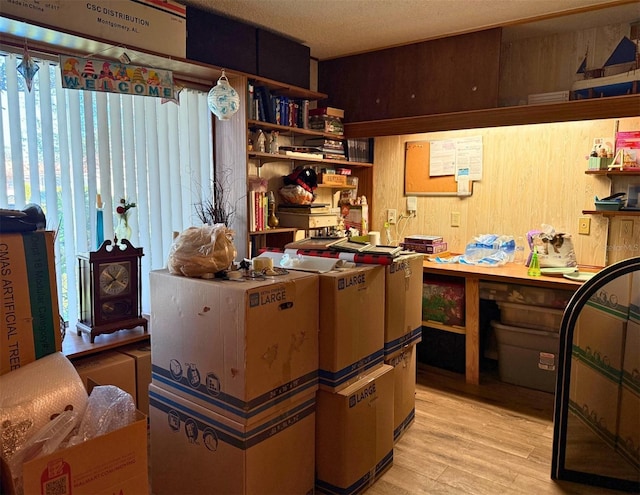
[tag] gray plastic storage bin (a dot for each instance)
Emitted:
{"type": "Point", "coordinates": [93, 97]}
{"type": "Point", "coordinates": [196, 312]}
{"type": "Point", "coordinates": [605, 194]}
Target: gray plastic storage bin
{"type": "Point", "coordinates": [527, 357]}
{"type": "Point", "coordinates": [533, 317]}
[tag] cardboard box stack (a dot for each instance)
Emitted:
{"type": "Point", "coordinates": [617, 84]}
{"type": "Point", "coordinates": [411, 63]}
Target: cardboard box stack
{"type": "Point", "coordinates": [402, 331]}
{"type": "Point", "coordinates": [234, 380]}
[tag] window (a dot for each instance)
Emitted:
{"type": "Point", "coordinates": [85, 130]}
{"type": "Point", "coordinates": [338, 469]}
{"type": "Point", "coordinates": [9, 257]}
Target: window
{"type": "Point", "coordinates": [60, 148]}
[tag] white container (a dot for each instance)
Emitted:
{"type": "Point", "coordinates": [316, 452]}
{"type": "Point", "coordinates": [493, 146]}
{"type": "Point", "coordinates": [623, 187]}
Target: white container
{"type": "Point", "coordinates": [534, 317]}
{"type": "Point", "coordinates": [527, 357]}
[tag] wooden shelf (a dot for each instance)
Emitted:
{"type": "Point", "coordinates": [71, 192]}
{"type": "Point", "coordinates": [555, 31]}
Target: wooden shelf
{"type": "Point", "coordinates": [273, 157]}
{"type": "Point", "coordinates": [629, 173]}
{"type": "Point", "coordinates": [612, 213]}
{"type": "Point", "coordinates": [75, 346]}
{"type": "Point", "coordinates": [446, 328]}
{"type": "Point", "coordinates": [279, 230]}
{"type": "Point", "coordinates": [588, 109]}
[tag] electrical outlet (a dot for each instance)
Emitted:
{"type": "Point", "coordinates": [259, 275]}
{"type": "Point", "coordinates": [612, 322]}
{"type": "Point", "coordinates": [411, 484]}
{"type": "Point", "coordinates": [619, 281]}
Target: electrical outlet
{"type": "Point", "coordinates": [626, 229]}
{"type": "Point", "coordinates": [584, 225]}
{"type": "Point", "coordinates": [412, 204]}
{"type": "Point", "coordinates": [392, 216]}
{"type": "Point", "coordinates": [455, 219]}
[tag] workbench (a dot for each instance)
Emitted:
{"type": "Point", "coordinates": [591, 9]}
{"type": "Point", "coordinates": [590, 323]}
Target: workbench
{"type": "Point", "coordinates": [472, 275]}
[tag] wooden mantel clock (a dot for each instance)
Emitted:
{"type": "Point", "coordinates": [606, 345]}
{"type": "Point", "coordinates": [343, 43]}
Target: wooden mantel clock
{"type": "Point", "coordinates": [109, 281]}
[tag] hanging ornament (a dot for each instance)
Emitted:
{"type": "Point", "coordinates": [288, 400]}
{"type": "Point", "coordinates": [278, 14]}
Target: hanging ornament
{"type": "Point", "coordinates": [223, 100]}
{"type": "Point", "coordinates": [27, 68]}
{"type": "Point", "coordinates": [177, 89]}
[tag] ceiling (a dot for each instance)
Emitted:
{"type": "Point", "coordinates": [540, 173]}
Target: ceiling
{"type": "Point", "coordinates": [335, 28]}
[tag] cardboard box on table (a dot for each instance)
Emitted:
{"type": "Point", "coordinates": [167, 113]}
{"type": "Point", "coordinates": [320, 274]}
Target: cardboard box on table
{"type": "Point", "coordinates": [112, 463]}
{"type": "Point", "coordinates": [29, 314]}
{"type": "Point", "coordinates": [354, 433]}
{"type": "Point", "coordinates": [403, 304]}
{"type": "Point", "coordinates": [236, 348]}
{"type": "Point", "coordinates": [351, 324]}
{"type": "Point", "coordinates": [195, 450]}
{"type": "Point", "coordinates": [404, 390]}
{"type": "Point", "coordinates": [141, 354]}
{"type": "Point", "coordinates": [108, 368]}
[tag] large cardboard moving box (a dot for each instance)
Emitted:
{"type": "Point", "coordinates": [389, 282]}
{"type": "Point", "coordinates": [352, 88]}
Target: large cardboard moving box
{"type": "Point", "coordinates": [108, 368]}
{"type": "Point", "coordinates": [403, 304]}
{"type": "Point", "coordinates": [237, 348]}
{"type": "Point", "coordinates": [195, 450]}
{"type": "Point", "coordinates": [29, 315]}
{"type": "Point", "coordinates": [404, 390]}
{"type": "Point", "coordinates": [141, 354]}
{"type": "Point", "coordinates": [351, 324]}
{"type": "Point", "coordinates": [354, 433]}
{"type": "Point", "coordinates": [112, 463]}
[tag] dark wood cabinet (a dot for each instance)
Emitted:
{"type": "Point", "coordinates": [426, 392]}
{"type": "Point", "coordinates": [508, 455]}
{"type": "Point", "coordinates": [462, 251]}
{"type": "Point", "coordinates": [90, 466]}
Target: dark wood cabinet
{"type": "Point", "coordinates": [458, 73]}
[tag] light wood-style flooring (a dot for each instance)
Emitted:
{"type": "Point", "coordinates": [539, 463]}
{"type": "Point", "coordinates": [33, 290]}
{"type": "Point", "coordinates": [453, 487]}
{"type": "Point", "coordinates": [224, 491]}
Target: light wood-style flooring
{"type": "Point", "coordinates": [490, 439]}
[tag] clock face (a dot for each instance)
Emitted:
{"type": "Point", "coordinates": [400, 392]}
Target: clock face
{"type": "Point", "coordinates": [114, 278]}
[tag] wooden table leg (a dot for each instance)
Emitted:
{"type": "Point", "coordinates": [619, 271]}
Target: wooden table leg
{"type": "Point", "coordinates": [472, 328]}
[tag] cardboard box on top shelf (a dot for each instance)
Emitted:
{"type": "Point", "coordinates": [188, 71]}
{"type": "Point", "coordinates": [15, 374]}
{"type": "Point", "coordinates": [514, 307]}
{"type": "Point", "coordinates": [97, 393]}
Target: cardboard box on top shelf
{"type": "Point", "coordinates": [141, 354]}
{"type": "Point", "coordinates": [403, 304]}
{"type": "Point", "coordinates": [237, 348]}
{"type": "Point", "coordinates": [351, 324]}
{"type": "Point", "coordinates": [108, 368]}
{"type": "Point", "coordinates": [29, 314]}
{"type": "Point", "coordinates": [354, 433]}
{"type": "Point", "coordinates": [196, 450]}
{"type": "Point", "coordinates": [404, 390]}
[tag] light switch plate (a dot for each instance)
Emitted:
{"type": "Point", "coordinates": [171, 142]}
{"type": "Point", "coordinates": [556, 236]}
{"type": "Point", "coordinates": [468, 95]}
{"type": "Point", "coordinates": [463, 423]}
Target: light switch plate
{"type": "Point", "coordinates": [584, 225]}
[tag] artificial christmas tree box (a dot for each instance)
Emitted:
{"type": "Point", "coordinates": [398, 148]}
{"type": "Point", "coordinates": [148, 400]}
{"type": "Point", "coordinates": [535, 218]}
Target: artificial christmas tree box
{"type": "Point", "coordinates": [237, 348]}
{"type": "Point", "coordinates": [29, 314]}
{"type": "Point", "coordinates": [195, 450]}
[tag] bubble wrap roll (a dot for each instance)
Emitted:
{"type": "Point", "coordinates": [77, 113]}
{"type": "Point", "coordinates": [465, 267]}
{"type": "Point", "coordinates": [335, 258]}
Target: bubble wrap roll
{"type": "Point", "coordinates": [29, 396]}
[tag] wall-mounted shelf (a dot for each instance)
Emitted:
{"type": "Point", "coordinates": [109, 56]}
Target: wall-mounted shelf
{"type": "Point", "coordinates": [628, 173]}
{"type": "Point", "coordinates": [273, 157]}
{"type": "Point", "coordinates": [612, 213]}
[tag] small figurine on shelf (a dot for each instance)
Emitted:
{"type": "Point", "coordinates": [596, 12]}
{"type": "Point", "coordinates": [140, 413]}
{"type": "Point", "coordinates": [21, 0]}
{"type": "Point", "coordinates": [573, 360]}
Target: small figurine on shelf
{"type": "Point", "coordinates": [273, 142]}
{"type": "Point", "coordinates": [261, 141]}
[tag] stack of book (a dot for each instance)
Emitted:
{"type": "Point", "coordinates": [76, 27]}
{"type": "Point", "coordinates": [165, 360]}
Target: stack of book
{"type": "Point", "coordinates": [330, 148]}
{"type": "Point", "coordinates": [327, 119]}
{"type": "Point", "coordinates": [360, 150]}
{"type": "Point", "coordinates": [301, 152]}
{"type": "Point", "coordinates": [313, 216]}
{"type": "Point", "coordinates": [428, 244]}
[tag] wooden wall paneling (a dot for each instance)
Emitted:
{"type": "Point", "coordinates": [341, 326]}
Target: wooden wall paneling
{"type": "Point", "coordinates": [444, 75]}
{"type": "Point", "coordinates": [549, 64]}
{"type": "Point", "coordinates": [533, 174]}
{"type": "Point", "coordinates": [282, 59]}
{"type": "Point", "coordinates": [221, 41]}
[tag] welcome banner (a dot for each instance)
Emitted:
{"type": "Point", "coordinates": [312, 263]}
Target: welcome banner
{"type": "Point", "coordinates": [115, 77]}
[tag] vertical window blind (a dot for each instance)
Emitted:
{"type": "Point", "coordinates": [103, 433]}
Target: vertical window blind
{"type": "Point", "coordinates": [60, 148]}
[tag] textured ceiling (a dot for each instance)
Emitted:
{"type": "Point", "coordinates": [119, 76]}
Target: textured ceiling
{"type": "Point", "coordinates": [334, 28]}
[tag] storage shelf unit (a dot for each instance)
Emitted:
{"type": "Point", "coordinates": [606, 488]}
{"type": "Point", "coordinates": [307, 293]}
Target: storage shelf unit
{"type": "Point", "coordinates": [612, 175]}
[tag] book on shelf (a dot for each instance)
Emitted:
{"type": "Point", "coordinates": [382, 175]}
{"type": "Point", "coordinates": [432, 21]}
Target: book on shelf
{"type": "Point", "coordinates": [360, 150]}
{"type": "Point", "coordinates": [301, 154]}
{"type": "Point", "coordinates": [329, 111]}
{"type": "Point", "coordinates": [424, 239]}
{"type": "Point", "coordinates": [326, 144]}
{"type": "Point", "coordinates": [312, 209]}
{"type": "Point", "coordinates": [258, 211]}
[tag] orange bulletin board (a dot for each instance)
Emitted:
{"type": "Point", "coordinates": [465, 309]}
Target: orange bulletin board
{"type": "Point", "coordinates": [417, 180]}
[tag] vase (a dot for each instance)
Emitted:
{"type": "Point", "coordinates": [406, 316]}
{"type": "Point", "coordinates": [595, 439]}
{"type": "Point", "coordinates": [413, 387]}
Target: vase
{"type": "Point", "coordinates": [122, 230]}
